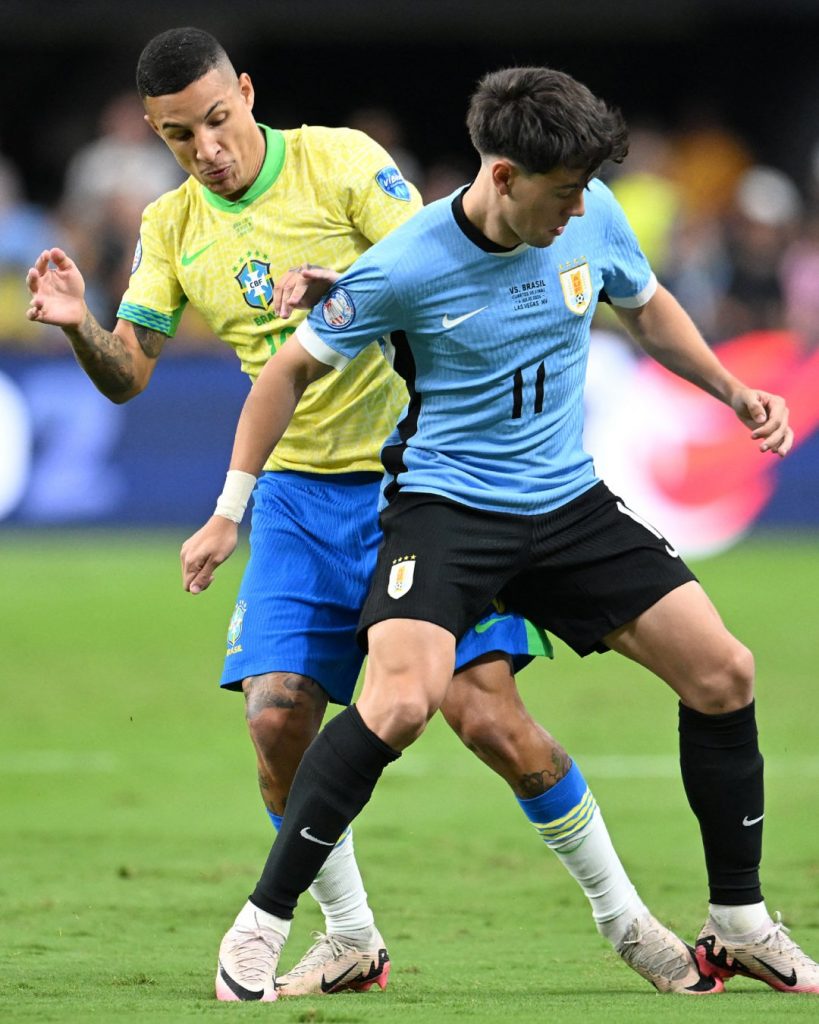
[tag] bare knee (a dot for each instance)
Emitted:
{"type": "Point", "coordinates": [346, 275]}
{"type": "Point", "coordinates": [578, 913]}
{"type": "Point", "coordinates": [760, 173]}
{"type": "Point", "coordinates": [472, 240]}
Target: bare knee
{"type": "Point", "coordinates": [478, 732]}
{"type": "Point", "coordinates": [284, 713]}
{"type": "Point", "coordinates": [728, 684]}
{"type": "Point", "coordinates": [409, 712]}
{"type": "Point", "coordinates": [408, 672]}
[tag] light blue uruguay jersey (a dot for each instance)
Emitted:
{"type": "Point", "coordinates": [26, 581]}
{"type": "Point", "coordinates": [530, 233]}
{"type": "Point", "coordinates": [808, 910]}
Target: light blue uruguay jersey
{"type": "Point", "coordinates": [493, 345]}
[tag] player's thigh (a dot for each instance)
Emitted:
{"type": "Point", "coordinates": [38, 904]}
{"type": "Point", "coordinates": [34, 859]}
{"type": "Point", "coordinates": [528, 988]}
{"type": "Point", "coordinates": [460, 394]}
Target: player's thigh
{"type": "Point", "coordinates": [313, 545]}
{"type": "Point", "coordinates": [682, 639]}
{"type": "Point", "coordinates": [409, 668]}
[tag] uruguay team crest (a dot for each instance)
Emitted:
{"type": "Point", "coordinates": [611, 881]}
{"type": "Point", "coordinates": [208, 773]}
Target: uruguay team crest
{"type": "Point", "coordinates": [338, 309]}
{"type": "Point", "coordinates": [391, 181]}
{"type": "Point", "coordinates": [575, 281]}
{"type": "Point", "coordinates": [235, 624]}
{"type": "Point", "coordinates": [256, 284]}
{"type": "Point", "coordinates": [401, 576]}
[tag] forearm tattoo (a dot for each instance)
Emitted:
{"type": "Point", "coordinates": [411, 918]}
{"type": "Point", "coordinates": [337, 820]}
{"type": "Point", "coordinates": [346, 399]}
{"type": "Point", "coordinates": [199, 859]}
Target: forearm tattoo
{"type": "Point", "coordinates": [105, 358]}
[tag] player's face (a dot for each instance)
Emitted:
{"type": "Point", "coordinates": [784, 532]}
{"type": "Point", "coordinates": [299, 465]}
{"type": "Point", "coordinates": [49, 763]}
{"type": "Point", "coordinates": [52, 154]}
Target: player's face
{"type": "Point", "coordinates": [537, 207]}
{"type": "Point", "coordinates": [210, 129]}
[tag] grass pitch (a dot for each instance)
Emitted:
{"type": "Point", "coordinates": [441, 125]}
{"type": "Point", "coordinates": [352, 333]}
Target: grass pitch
{"type": "Point", "coordinates": [132, 830]}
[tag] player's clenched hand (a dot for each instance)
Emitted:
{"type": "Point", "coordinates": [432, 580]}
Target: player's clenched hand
{"type": "Point", "coordinates": [301, 288]}
{"type": "Point", "coordinates": [57, 290]}
{"type": "Point", "coordinates": [202, 553]}
{"type": "Point", "coordinates": [766, 416]}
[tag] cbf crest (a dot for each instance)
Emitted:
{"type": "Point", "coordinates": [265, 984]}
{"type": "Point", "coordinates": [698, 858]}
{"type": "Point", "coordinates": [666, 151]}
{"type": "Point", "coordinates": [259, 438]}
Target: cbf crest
{"type": "Point", "coordinates": [256, 284]}
{"type": "Point", "coordinates": [575, 281]}
{"type": "Point", "coordinates": [235, 627]}
{"type": "Point", "coordinates": [402, 573]}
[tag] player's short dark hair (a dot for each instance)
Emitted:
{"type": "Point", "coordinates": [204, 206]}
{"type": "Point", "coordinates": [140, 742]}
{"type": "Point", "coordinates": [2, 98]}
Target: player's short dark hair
{"type": "Point", "coordinates": [544, 119]}
{"type": "Point", "coordinates": [174, 59]}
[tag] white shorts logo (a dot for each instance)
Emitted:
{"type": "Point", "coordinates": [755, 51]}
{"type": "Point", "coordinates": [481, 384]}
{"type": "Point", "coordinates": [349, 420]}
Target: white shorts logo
{"type": "Point", "coordinates": [639, 519]}
{"type": "Point", "coordinates": [401, 576]}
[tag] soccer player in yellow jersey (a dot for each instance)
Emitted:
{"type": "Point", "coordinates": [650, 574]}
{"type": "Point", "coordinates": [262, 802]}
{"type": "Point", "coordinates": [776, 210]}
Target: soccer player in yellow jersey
{"type": "Point", "coordinates": [259, 201]}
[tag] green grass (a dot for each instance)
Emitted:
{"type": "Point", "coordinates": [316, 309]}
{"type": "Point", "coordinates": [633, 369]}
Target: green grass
{"type": "Point", "coordinates": [132, 831]}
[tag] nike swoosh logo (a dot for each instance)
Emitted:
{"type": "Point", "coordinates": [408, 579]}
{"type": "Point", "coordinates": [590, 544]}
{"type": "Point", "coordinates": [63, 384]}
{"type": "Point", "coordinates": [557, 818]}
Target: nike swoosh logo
{"type": "Point", "coordinates": [245, 994]}
{"type": "Point", "coordinates": [672, 551]}
{"type": "Point", "coordinates": [786, 979]}
{"type": "Point", "coordinates": [187, 260]}
{"type": "Point", "coordinates": [446, 323]}
{"type": "Point", "coordinates": [305, 834]}
{"type": "Point", "coordinates": [746, 821]}
{"type": "Point", "coordinates": [328, 986]}
{"type": "Point", "coordinates": [489, 623]}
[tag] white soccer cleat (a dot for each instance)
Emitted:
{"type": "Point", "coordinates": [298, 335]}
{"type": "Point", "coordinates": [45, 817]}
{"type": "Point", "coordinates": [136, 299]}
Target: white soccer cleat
{"type": "Point", "coordinates": [248, 957]}
{"type": "Point", "coordinates": [772, 956]}
{"type": "Point", "coordinates": [335, 963]}
{"type": "Point", "coordinates": [656, 954]}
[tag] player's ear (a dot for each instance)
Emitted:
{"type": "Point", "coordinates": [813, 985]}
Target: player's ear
{"type": "Point", "coordinates": [503, 173]}
{"type": "Point", "coordinates": [152, 124]}
{"type": "Point", "coordinates": [246, 89]}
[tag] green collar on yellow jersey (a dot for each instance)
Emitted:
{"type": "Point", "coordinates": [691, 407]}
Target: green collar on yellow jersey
{"type": "Point", "coordinates": [271, 169]}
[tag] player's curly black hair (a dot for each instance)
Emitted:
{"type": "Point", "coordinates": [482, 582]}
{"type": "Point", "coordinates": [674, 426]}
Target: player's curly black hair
{"type": "Point", "coordinates": [544, 119]}
{"type": "Point", "coordinates": [174, 59]}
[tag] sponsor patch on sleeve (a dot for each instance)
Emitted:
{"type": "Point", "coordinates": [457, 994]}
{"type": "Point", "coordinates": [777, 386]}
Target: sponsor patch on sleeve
{"type": "Point", "coordinates": [391, 181]}
{"type": "Point", "coordinates": [338, 309]}
{"type": "Point", "coordinates": [137, 256]}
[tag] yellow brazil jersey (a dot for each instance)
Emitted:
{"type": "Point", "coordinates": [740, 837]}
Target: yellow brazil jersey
{"type": "Point", "coordinates": [323, 195]}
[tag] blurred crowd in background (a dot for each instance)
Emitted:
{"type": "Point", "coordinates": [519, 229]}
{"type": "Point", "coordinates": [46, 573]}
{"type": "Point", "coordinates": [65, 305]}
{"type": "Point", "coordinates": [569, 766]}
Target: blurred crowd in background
{"type": "Point", "coordinates": [736, 241]}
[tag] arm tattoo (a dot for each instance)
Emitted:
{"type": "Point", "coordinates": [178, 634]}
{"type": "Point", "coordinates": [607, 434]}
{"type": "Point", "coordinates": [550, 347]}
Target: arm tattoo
{"type": "Point", "coordinates": [150, 342]}
{"type": "Point", "coordinates": [105, 358]}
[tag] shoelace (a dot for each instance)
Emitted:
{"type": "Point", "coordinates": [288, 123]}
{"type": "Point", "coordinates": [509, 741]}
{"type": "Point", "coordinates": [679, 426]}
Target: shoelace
{"type": "Point", "coordinates": [779, 942]}
{"type": "Point", "coordinates": [251, 952]}
{"type": "Point", "coordinates": [315, 954]}
{"type": "Point", "coordinates": [651, 950]}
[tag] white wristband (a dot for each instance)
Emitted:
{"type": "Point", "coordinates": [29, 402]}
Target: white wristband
{"type": "Point", "coordinates": [235, 495]}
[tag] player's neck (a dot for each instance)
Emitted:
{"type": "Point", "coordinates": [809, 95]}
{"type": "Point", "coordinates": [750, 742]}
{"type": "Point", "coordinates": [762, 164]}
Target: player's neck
{"type": "Point", "coordinates": [481, 209]}
{"type": "Point", "coordinates": [256, 164]}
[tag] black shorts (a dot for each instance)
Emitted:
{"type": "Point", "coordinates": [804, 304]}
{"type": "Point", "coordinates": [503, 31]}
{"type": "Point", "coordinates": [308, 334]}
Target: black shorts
{"type": "Point", "coordinates": [580, 572]}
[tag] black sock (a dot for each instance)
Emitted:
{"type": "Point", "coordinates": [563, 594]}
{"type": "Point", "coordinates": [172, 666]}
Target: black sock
{"type": "Point", "coordinates": [722, 771]}
{"type": "Point", "coordinates": [334, 781]}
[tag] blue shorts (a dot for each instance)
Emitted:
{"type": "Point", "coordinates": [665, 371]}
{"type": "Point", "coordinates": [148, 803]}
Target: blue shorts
{"type": "Point", "coordinates": [313, 546]}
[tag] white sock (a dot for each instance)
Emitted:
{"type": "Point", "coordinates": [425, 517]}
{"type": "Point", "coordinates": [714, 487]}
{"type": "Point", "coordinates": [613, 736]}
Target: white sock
{"type": "Point", "coordinates": [339, 891]}
{"type": "Point", "coordinates": [568, 820]}
{"type": "Point", "coordinates": [590, 858]}
{"type": "Point", "coordinates": [738, 923]}
{"type": "Point", "coordinates": [251, 917]}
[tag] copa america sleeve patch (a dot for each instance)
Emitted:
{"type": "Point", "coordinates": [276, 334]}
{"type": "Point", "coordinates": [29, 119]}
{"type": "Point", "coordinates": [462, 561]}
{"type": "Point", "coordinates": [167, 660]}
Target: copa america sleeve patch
{"type": "Point", "coordinates": [338, 309]}
{"type": "Point", "coordinates": [137, 255]}
{"type": "Point", "coordinates": [391, 181]}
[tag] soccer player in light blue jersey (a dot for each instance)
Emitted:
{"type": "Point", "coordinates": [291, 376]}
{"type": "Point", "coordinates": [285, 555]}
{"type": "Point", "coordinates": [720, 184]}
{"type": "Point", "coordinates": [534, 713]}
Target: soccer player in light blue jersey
{"type": "Point", "coordinates": [487, 299]}
{"type": "Point", "coordinates": [257, 191]}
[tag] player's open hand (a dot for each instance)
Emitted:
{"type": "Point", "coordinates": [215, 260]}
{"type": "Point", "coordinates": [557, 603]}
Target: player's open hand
{"type": "Point", "coordinates": [301, 288]}
{"type": "Point", "coordinates": [766, 416]}
{"type": "Point", "coordinates": [205, 551]}
{"type": "Point", "coordinates": [57, 290]}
